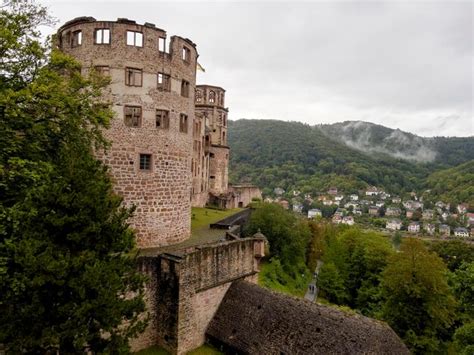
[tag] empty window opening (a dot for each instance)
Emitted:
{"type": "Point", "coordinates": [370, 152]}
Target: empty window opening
{"type": "Point", "coordinates": [133, 77]}
{"type": "Point", "coordinates": [185, 88]}
{"type": "Point", "coordinates": [212, 177]}
{"type": "Point", "coordinates": [134, 38]}
{"type": "Point", "coordinates": [164, 82]}
{"type": "Point", "coordinates": [224, 120]}
{"type": "Point", "coordinates": [212, 97]}
{"type": "Point", "coordinates": [211, 155]}
{"type": "Point", "coordinates": [145, 161]}
{"type": "Point", "coordinates": [103, 70]}
{"type": "Point", "coordinates": [76, 39]}
{"type": "Point", "coordinates": [162, 119]}
{"type": "Point", "coordinates": [186, 54]}
{"type": "Point", "coordinates": [223, 137]}
{"type": "Point", "coordinates": [162, 44]}
{"type": "Point", "coordinates": [102, 36]}
{"type": "Point", "coordinates": [198, 95]}
{"type": "Point", "coordinates": [133, 116]}
{"type": "Point", "coordinates": [183, 123]}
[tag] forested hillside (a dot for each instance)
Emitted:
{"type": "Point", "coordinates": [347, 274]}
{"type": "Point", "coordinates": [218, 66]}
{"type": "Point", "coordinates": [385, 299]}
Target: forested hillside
{"type": "Point", "coordinates": [293, 155]}
{"type": "Point", "coordinates": [274, 153]}
{"type": "Point", "coordinates": [454, 184]}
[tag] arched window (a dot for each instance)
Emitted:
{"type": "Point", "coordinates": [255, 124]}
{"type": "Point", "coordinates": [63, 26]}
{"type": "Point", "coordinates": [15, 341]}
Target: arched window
{"type": "Point", "coordinates": [212, 96]}
{"type": "Point", "coordinates": [198, 95]}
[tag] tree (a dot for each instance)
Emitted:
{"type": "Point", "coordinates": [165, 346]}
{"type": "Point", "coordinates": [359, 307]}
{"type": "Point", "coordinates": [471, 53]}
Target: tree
{"type": "Point", "coordinates": [287, 235]}
{"type": "Point", "coordinates": [418, 303]}
{"type": "Point", "coordinates": [68, 275]}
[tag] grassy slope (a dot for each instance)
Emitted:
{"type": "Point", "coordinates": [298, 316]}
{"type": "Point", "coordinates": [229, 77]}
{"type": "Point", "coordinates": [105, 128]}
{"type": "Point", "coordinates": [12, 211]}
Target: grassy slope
{"type": "Point", "coordinates": [202, 217]}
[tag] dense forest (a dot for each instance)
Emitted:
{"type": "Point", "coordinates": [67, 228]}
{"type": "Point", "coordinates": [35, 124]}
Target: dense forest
{"type": "Point", "coordinates": [293, 155]}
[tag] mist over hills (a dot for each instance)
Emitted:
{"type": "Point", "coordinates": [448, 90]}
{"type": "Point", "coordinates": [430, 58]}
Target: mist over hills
{"type": "Point", "coordinates": [372, 138]}
{"type": "Point", "coordinates": [350, 155]}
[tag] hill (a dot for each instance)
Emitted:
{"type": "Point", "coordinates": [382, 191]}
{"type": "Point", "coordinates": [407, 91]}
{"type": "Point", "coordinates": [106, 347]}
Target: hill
{"type": "Point", "coordinates": [293, 155]}
{"type": "Point", "coordinates": [453, 185]}
{"type": "Point", "coordinates": [373, 138]}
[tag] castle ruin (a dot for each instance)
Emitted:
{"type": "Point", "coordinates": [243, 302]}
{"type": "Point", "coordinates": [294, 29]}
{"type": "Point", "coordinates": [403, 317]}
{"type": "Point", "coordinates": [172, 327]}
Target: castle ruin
{"type": "Point", "coordinates": [169, 152]}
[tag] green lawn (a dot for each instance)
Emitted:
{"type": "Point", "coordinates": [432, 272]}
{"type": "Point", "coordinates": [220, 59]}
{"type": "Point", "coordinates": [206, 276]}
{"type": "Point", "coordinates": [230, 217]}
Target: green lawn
{"type": "Point", "coordinates": [202, 217]}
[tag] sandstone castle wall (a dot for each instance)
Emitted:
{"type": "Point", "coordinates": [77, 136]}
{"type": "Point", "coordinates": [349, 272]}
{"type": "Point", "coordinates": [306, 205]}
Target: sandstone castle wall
{"type": "Point", "coordinates": [187, 287]}
{"type": "Point", "coordinates": [160, 185]}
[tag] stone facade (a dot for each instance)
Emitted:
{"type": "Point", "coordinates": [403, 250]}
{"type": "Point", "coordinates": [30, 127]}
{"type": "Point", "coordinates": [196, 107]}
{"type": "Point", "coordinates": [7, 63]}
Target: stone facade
{"type": "Point", "coordinates": [243, 194]}
{"type": "Point", "coordinates": [210, 107]}
{"type": "Point", "coordinates": [186, 288]}
{"type": "Point", "coordinates": [152, 93]}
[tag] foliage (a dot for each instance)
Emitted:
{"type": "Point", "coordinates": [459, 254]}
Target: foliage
{"type": "Point", "coordinates": [418, 303]}
{"type": "Point", "coordinates": [464, 339]}
{"type": "Point", "coordinates": [463, 286]}
{"type": "Point", "coordinates": [273, 276]}
{"type": "Point", "coordinates": [453, 252]}
{"type": "Point", "coordinates": [453, 185]}
{"type": "Point", "coordinates": [68, 276]}
{"type": "Point", "coordinates": [287, 235]}
{"type": "Point", "coordinates": [354, 260]}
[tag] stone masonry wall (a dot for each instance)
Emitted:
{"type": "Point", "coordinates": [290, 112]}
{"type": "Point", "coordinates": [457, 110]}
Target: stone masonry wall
{"type": "Point", "coordinates": [162, 192]}
{"type": "Point", "coordinates": [243, 194]}
{"type": "Point", "coordinates": [210, 105]}
{"type": "Point", "coordinates": [188, 289]}
{"type": "Point", "coordinates": [219, 169]}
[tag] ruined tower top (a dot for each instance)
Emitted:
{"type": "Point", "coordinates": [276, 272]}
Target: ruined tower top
{"type": "Point", "coordinates": [209, 95]}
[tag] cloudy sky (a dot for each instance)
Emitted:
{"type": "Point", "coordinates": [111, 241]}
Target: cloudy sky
{"type": "Point", "coordinates": [406, 65]}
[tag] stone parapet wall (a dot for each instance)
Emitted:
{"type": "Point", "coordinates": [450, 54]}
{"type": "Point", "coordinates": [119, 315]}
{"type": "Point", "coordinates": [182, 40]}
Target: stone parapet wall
{"type": "Point", "coordinates": [187, 287]}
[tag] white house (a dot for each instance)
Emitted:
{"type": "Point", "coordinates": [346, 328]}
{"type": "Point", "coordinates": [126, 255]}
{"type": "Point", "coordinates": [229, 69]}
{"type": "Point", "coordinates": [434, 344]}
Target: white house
{"type": "Point", "coordinates": [338, 197]}
{"type": "Point", "coordinates": [354, 197]}
{"type": "Point", "coordinates": [348, 220]}
{"type": "Point", "coordinates": [372, 191]}
{"type": "Point", "coordinates": [461, 232]}
{"type": "Point", "coordinates": [315, 212]}
{"type": "Point", "coordinates": [394, 224]}
{"type": "Point", "coordinates": [414, 227]}
{"type": "Point", "coordinates": [297, 207]}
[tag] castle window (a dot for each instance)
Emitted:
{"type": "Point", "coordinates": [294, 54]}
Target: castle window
{"type": "Point", "coordinates": [186, 54]}
{"type": "Point", "coordinates": [211, 155]}
{"type": "Point", "coordinates": [145, 161]}
{"type": "Point", "coordinates": [224, 119]}
{"type": "Point", "coordinates": [133, 77]}
{"type": "Point", "coordinates": [164, 82]}
{"type": "Point", "coordinates": [185, 88]}
{"type": "Point", "coordinates": [198, 95]}
{"type": "Point", "coordinates": [133, 116]}
{"type": "Point", "coordinates": [162, 44]}
{"type": "Point", "coordinates": [103, 70]}
{"type": "Point", "coordinates": [162, 119]}
{"type": "Point", "coordinates": [76, 39]}
{"type": "Point", "coordinates": [212, 97]}
{"type": "Point", "coordinates": [102, 36]}
{"type": "Point", "coordinates": [223, 137]}
{"type": "Point", "coordinates": [183, 123]}
{"type": "Point", "coordinates": [134, 38]}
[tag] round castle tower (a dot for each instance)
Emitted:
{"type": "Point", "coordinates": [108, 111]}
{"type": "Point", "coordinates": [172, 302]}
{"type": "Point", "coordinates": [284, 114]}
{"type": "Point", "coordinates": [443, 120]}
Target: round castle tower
{"type": "Point", "coordinates": [152, 93]}
{"type": "Point", "coordinates": [210, 104]}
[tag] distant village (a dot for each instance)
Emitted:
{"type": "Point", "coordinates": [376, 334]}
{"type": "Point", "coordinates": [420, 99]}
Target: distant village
{"type": "Point", "coordinates": [376, 208]}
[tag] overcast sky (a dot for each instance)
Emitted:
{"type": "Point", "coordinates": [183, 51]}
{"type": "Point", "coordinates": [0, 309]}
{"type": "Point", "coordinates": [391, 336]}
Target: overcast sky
{"type": "Point", "coordinates": [406, 65]}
